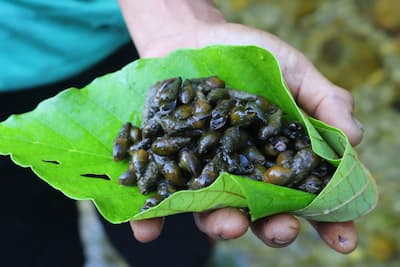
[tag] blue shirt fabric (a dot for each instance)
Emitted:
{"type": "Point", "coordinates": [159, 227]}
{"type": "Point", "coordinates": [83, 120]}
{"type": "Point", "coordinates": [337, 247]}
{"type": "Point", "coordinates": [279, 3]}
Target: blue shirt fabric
{"type": "Point", "coordinates": [43, 41]}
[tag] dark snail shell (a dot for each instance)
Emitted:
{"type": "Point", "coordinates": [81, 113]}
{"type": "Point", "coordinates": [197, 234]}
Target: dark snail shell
{"type": "Point", "coordinates": [135, 134]}
{"type": "Point", "coordinates": [302, 142]}
{"type": "Point", "coordinates": [148, 181]}
{"type": "Point", "coordinates": [209, 173]}
{"type": "Point", "coordinates": [238, 163]}
{"type": "Point", "coordinates": [285, 159]}
{"type": "Point", "coordinates": [293, 130]}
{"type": "Point", "coordinates": [273, 126]}
{"type": "Point", "coordinates": [201, 105]}
{"type": "Point", "coordinates": [139, 161]}
{"type": "Point", "coordinates": [189, 162]}
{"type": "Point", "coordinates": [183, 112]}
{"type": "Point", "coordinates": [208, 141]}
{"type": "Point", "coordinates": [219, 115]}
{"type": "Point", "coordinates": [254, 155]}
{"type": "Point", "coordinates": [257, 173]}
{"type": "Point", "coordinates": [167, 145]}
{"type": "Point", "coordinates": [217, 94]}
{"type": "Point", "coordinates": [128, 178]}
{"type": "Point", "coordinates": [151, 202]}
{"type": "Point", "coordinates": [165, 189]}
{"type": "Point", "coordinates": [241, 116]}
{"type": "Point", "coordinates": [167, 94]}
{"type": "Point", "coordinates": [214, 82]}
{"type": "Point", "coordinates": [142, 144]}
{"type": "Point", "coordinates": [186, 93]}
{"type": "Point", "coordinates": [311, 184]}
{"type": "Point", "coordinates": [205, 85]}
{"type": "Point", "coordinates": [303, 163]}
{"type": "Point", "coordinates": [122, 142]}
{"type": "Point", "coordinates": [151, 127]}
{"type": "Point", "coordinates": [170, 170]}
{"type": "Point", "coordinates": [234, 139]}
{"type": "Point", "coordinates": [260, 113]}
{"type": "Point", "coordinates": [173, 126]}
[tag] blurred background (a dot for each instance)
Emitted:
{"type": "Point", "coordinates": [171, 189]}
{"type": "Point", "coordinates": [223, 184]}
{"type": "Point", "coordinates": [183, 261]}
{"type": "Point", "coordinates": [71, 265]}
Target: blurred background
{"type": "Point", "coordinates": [356, 44]}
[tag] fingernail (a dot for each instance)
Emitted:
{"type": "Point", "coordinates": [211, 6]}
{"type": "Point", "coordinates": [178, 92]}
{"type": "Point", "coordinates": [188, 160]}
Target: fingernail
{"type": "Point", "coordinates": [342, 240]}
{"type": "Point", "coordinates": [280, 242]}
{"type": "Point", "coordinates": [222, 237]}
{"type": "Point", "coordinates": [357, 123]}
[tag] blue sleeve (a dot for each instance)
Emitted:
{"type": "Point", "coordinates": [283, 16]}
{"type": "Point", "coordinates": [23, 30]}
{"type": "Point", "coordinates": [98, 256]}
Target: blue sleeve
{"type": "Point", "coordinates": [44, 41]}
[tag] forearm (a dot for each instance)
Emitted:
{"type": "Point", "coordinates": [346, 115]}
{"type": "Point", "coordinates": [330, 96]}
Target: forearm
{"type": "Point", "coordinates": [154, 20]}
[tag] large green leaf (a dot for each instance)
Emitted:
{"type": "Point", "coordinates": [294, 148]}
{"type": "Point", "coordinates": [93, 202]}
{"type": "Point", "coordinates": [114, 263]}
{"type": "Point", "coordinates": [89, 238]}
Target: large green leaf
{"type": "Point", "coordinates": [67, 141]}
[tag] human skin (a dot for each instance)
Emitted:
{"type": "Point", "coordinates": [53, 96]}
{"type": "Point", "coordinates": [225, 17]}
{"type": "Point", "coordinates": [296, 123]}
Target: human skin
{"type": "Point", "coordinates": [158, 27]}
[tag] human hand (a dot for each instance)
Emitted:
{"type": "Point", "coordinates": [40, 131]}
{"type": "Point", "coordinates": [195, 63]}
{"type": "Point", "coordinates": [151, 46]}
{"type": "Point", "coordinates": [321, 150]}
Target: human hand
{"type": "Point", "coordinates": [314, 93]}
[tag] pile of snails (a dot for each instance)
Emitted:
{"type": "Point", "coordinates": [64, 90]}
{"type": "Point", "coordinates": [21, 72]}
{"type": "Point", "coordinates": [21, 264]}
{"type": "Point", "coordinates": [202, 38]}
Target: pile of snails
{"type": "Point", "coordinates": [193, 130]}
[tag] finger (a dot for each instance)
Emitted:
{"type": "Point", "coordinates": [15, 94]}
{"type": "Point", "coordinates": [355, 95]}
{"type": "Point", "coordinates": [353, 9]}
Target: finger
{"type": "Point", "coordinates": [340, 236]}
{"type": "Point", "coordinates": [226, 223]}
{"type": "Point", "coordinates": [277, 230]}
{"type": "Point", "coordinates": [147, 230]}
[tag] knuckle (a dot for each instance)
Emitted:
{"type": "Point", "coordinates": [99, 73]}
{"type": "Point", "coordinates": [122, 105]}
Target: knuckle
{"type": "Point", "coordinates": [340, 95]}
{"type": "Point", "coordinates": [345, 96]}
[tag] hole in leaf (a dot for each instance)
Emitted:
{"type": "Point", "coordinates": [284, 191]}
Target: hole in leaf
{"type": "Point", "coordinates": [97, 176]}
{"type": "Point", "coordinates": [56, 162]}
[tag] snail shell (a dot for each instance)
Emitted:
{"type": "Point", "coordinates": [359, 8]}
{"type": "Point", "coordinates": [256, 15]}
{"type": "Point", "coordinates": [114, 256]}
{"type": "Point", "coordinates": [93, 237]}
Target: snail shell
{"type": "Point", "coordinates": [167, 145]}
{"type": "Point", "coordinates": [186, 93]}
{"type": "Point", "coordinates": [189, 162]}
{"type": "Point", "coordinates": [167, 95]}
{"type": "Point", "coordinates": [219, 115]}
{"type": "Point", "coordinates": [122, 142]}
{"type": "Point", "coordinates": [208, 141]}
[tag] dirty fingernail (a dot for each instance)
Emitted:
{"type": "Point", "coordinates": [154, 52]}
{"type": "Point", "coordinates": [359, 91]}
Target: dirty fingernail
{"type": "Point", "coordinates": [357, 123]}
{"type": "Point", "coordinates": [280, 242]}
{"type": "Point", "coordinates": [222, 237]}
{"type": "Point", "coordinates": [342, 240]}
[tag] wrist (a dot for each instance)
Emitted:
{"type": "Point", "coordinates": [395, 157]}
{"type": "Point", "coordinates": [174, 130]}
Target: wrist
{"type": "Point", "coordinates": [153, 23]}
